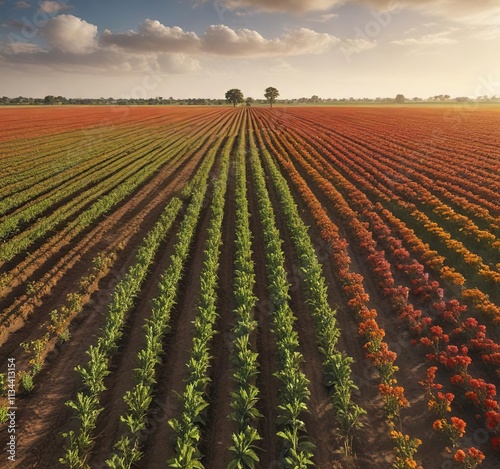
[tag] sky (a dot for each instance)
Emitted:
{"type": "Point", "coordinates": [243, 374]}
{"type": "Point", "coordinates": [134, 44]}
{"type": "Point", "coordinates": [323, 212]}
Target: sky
{"type": "Point", "coordinates": [202, 48]}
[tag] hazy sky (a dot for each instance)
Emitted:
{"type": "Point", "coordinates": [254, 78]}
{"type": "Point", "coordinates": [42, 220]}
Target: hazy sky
{"type": "Point", "coordinates": [201, 48]}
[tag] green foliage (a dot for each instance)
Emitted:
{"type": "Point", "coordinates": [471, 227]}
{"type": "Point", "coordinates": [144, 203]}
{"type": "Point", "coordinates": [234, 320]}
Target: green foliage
{"type": "Point", "coordinates": [194, 404]}
{"type": "Point", "coordinates": [271, 94]}
{"type": "Point", "coordinates": [246, 397]}
{"type": "Point", "coordinates": [127, 449]}
{"type": "Point", "coordinates": [336, 367]}
{"type": "Point", "coordinates": [234, 96]}
{"type": "Point", "coordinates": [96, 370]}
{"type": "Point", "coordinates": [245, 456]}
{"type": "Point", "coordinates": [3, 384]}
{"type": "Point", "coordinates": [293, 393]}
{"type": "Point", "coordinates": [4, 414]}
{"type": "Point", "coordinates": [26, 384]}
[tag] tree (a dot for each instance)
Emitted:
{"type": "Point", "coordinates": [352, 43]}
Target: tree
{"type": "Point", "coordinates": [271, 94]}
{"type": "Point", "coordinates": [400, 99]}
{"type": "Point", "coordinates": [234, 96]}
{"type": "Point", "coordinates": [249, 101]}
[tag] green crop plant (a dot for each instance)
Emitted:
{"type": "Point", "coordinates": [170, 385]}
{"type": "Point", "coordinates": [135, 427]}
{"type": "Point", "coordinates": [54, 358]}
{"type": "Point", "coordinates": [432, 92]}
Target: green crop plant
{"type": "Point", "coordinates": [293, 393]}
{"type": "Point", "coordinates": [336, 367]}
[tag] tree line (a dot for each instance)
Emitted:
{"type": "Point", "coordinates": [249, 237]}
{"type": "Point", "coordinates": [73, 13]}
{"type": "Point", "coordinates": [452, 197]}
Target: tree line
{"type": "Point", "coordinates": [271, 94]}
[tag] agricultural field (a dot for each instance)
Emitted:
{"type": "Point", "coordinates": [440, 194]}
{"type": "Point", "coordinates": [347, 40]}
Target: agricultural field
{"type": "Point", "coordinates": [219, 287]}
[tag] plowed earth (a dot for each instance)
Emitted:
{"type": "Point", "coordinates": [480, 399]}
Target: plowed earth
{"type": "Point", "coordinates": [453, 149]}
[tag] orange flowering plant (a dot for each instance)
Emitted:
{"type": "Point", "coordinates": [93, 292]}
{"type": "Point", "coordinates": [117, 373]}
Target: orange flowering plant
{"type": "Point", "coordinates": [470, 459]}
{"type": "Point", "coordinates": [406, 448]}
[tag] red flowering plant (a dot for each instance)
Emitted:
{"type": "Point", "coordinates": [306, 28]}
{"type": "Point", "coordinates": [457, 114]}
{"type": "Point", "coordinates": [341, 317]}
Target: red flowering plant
{"type": "Point", "coordinates": [455, 358]}
{"type": "Point", "coordinates": [450, 311]}
{"type": "Point", "coordinates": [440, 403]}
{"type": "Point", "coordinates": [483, 395]}
{"type": "Point", "coordinates": [470, 459]}
{"type": "Point", "coordinates": [470, 329]}
{"type": "Point", "coordinates": [436, 339]}
{"type": "Point", "coordinates": [474, 334]}
{"type": "Point", "coordinates": [417, 323]}
{"type": "Point", "coordinates": [453, 429]}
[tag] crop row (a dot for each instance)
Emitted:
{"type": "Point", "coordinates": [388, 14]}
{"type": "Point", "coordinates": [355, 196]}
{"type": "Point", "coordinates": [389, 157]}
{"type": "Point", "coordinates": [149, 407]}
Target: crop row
{"type": "Point", "coordinates": [194, 399]}
{"type": "Point", "coordinates": [336, 366]}
{"type": "Point", "coordinates": [244, 357]}
{"type": "Point", "coordinates": [293, 392]}
{"type": "Point", "coordinates": [135, 170]}
{"type": "Point", "coordinates": [429, 257]}
{"type": "Point", "coordinates": [376, 349]}
{"type": "Point", "coordinates": [479, 391]}
{"type": "Point", "coordinates": [41, 288]}
{"type": "Point", "coordinates": [86, 404]}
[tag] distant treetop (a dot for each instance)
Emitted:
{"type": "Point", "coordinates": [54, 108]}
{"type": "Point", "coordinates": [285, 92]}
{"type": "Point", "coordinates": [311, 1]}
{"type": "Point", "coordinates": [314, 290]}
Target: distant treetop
{"type": "Point", "coordinates": [271, 94]}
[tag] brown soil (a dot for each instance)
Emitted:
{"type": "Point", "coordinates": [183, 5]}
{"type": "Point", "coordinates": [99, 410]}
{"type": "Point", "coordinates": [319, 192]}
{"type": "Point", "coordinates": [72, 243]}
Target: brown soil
{"type": "Point", "coordinates": [55, 264]}
{"type": "Point", "coordinates": [267, 384]}
{"type": "Point", "coordinates": [217, 437]}
{"type": "Point", "coordinates": [43, 416]}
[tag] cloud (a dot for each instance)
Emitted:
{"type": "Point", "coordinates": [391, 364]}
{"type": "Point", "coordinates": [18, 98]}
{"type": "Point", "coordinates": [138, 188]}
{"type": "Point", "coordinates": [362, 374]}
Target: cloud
{"type": "Point", "coordinates": [466, 11]}
{"type": "Point", "coordinates": [489, 34]}
{"type": "Point", "coordinates": [282, 6]}
{"type": "Point", "coordinates": [281, 66]}
{"type": "Point", "coordinates": [13, 48]}
{"type": "Point", "coordinates": [48, 6]}
{"type": "Point", "coordinates": [440, 38]}
{"type": "Point", "coordinates": [222, 40]}
{"type": "Point", "coordinates": [324, 18]}
{"type": "Point", "coordinates": [74, 44]}
{"type": "Point", "coordinates": [22, 5]}
{"type": "Point", "coordinates": [67, 33]}
{"type": "Point", "coordinates": [152, 36]}
{"type": "Point", "coordinates": [484, 11]}
{"type": "Point", "coordinates": [96, 61]}
{"type": "Point", "coordinates": [177, 63]}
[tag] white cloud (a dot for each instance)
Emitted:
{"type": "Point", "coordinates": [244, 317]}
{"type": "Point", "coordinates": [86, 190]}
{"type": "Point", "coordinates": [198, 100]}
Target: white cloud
{"type": "Point", "coordinates": [152, 36]}
{"type": "Point", "coordinates": [20, 48]}
{"type": "Point", "coordinates": [74, 45]}
{"type": "Point", "coordinates": [177, 63]}
{"type": "Point", "coordinates": [324, 18]}
{"type": "Point", "coordinates": [440, 38]}
{"type": "Point", "coordinates": [222, 40]}
{"type": "Point", "coordinates": [67, 33]}
{"type": "Point", "coordinates": [109, 61]}
{"type": "Point", "coordinates": [48, 6]}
